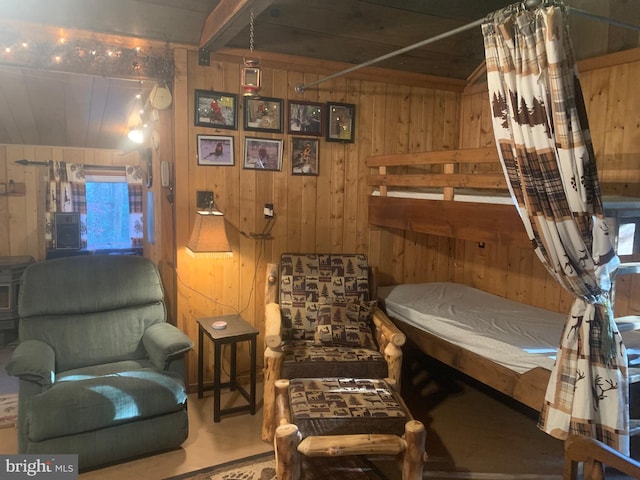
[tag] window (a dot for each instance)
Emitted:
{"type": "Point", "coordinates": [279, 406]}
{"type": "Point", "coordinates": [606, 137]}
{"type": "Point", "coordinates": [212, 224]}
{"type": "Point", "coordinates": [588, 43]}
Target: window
{"type": "Point", "coordinates": [623, 220]}
{"type": "Point", "coordinates": [107, 211]}
{"type": "Point", "coordinates": [627, 238]}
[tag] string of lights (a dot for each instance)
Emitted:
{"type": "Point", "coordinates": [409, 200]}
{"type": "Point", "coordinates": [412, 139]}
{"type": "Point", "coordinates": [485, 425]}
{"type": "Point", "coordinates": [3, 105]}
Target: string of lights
{"type": "Point", "coordinates": [87, 56]}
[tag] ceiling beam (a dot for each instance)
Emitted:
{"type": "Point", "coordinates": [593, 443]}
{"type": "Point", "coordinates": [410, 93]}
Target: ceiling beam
{"type": "Point", "coordinates": [227, 20]}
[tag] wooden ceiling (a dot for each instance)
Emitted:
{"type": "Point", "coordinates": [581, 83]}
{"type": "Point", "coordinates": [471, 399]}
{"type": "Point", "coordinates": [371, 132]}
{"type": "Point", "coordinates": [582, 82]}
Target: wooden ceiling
{"type": "Point", "coordinates": [51, 108]}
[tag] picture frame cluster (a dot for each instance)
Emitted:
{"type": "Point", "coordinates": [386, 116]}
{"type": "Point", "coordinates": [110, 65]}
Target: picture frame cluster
{"type": "Point", "coordinates": [307, 122]}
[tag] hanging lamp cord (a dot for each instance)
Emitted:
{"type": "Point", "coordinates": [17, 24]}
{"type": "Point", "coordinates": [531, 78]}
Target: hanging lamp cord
{"type": "Point", "coordinates": [251, 31]}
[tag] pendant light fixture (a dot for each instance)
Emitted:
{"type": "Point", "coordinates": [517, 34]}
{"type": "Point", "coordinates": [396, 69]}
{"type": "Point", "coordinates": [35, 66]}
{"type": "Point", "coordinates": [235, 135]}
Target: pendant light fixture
{"type": "Point", "coordinates": [135, 123]}
{"type": "Point", "coordinates": [251, 80]}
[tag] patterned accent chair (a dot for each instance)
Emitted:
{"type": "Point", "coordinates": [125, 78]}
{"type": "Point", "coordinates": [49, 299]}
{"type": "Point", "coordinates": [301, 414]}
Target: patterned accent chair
{"type": "Point", "coordinates": [320, 321]}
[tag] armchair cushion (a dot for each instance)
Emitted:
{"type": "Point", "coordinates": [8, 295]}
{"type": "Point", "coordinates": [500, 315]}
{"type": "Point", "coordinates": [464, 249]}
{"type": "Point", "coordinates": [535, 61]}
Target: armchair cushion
{"type": "Point", "coordinates": [103, 396]}
{"type": "Point", "coordinates": [304, 359]}
{"type": "Point", "coordinates": [344, 406]}
{"type": "Point", "coordinates": [306, 278]}
{"type": "Point", "coordinates": [345, 325]}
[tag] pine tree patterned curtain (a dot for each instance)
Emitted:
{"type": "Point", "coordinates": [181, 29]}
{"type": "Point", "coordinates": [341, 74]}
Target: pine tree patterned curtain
{"type": "Point", "coordinates": [66, 192]}
{"type": "Point", "coordinates": [544, 144]}
{"type": "Point", "coordinates": [134, 181]}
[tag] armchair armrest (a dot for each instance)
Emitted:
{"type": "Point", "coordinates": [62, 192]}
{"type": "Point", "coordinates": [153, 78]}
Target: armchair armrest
{"type": "Point", "coordinates": [34, 361]}
{"type": "Point", "coordinates": [392, 333]}
{"type": "Point", "coordinates": [272, 325]}
{"type": "Point", "coordinates": [164, 342]}
{"type": "Point", "coordinates": [390, 340]}
{"type": "Point", "coordinates": [592, 452]}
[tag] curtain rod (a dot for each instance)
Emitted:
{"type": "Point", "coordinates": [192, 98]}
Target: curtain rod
{"type": "Point", "coordinates": [529, 4]}
{"type": "Point", "coordinates": [25, 162]}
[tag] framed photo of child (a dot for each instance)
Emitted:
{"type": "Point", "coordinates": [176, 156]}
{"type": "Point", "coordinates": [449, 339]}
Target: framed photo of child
{"type": "Point", "coordinates": [262, 154]}
{"type": "Point", "coordinates": [215, 150]}
{"type": "Point", "coordinates": [304, 156]}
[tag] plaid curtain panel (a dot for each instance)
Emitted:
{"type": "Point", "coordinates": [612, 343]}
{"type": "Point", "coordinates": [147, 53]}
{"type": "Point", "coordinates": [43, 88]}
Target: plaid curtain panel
{"type": "Point", "coordinates": [543, 140]}
{"type": "Point", "coordinates": [136, 227]}
{"type": "Point", "coordinates": [66, 192]}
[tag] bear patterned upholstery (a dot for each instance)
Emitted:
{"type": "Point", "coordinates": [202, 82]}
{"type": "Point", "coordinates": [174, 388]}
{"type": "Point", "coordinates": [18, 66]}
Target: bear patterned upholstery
{"type": "Point", "coordinates": [320, 321]}
{"type": "Point", "coordinates": [305, 280]}
{"type": "Point", "coordinates": [343, 406]}
{"type": "Point", "coordinates": [329, 417]}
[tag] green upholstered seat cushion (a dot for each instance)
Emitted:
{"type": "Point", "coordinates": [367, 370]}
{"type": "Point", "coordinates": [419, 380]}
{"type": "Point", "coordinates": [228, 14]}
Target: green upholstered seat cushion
{"type": "Point", "coordinates": [92, 398]}
{"type": "Point", "coordinates": [338, 406]}
{"type": "Point", "coordinates": [303, 358]}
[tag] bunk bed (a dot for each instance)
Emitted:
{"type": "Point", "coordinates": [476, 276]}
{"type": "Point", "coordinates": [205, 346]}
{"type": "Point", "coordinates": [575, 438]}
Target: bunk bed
{"type": "Point", "coordinates": [463, 194]}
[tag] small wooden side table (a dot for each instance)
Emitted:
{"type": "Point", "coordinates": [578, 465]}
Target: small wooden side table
{"type": "Point", "coordinates": [237, 330]}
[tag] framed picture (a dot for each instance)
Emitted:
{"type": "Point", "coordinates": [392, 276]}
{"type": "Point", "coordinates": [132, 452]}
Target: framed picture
{"type": "Point", "coordinates": [215, 150]}
{"type": "Point", "coordinates": [304, 156]}
{"type": "Point", "coordinates": [305, 118]}
{"type": "Point", "coordinates": [262, 154]}
{"type": "Point", "coordinates": [216, 110]}
{"type": "Point", "coordinates": [341, 121]}
{"type": "Point", "coordinates": [263, 114]}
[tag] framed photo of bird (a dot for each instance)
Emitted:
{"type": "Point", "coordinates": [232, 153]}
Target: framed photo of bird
{"type": "Point", "coordinates": [216, 109]}
{"type": "Point", "coordinates": [215, 150]}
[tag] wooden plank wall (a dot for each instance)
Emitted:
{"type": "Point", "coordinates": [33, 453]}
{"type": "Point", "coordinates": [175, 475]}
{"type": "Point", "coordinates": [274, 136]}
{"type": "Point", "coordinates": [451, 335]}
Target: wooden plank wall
{"type": "Point", "coordinates": [613, 105]}
{"type": "Point", "coordinates": [22, 214]}
{"type": "Point", "coordinates": [324, 213]}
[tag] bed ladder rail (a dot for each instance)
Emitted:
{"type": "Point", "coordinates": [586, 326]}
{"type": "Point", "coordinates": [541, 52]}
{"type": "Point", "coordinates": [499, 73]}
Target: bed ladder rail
{"type": "Point", "coordinates": [457, 169]}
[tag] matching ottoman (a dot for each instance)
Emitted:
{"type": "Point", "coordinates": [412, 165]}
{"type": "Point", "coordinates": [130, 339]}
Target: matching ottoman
{"type": "Point", "coordinates": [344, 416]}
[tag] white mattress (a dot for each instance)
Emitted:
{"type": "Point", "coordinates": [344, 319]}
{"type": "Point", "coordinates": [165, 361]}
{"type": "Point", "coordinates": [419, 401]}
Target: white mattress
{"type": "Point", "coordinates": [460, 195]}
{"type": "Point", "coordinates": [481, 196]}
{"type": "Point", "coordinates": [517, 336]}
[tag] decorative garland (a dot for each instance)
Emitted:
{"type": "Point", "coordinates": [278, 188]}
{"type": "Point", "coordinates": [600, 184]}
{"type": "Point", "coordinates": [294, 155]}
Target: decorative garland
{"type": "Point", "coordinates": [90, 57]}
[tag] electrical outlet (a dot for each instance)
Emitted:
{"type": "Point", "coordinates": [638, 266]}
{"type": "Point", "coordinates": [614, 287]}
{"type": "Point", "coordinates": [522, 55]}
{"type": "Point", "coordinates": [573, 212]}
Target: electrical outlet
{"type": "Point", "coordinates": [268, 210]}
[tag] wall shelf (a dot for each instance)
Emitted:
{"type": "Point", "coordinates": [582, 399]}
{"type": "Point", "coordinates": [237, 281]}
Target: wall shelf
{"type": "Point", "coordinates": [12, 189]}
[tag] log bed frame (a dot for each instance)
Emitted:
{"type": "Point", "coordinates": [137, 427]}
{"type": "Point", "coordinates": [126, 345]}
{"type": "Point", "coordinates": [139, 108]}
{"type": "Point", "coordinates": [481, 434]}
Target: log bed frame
{"type": "Point", "coordinates": [481, 222]}
{"type": "Point", "coordinates": [446, 170]}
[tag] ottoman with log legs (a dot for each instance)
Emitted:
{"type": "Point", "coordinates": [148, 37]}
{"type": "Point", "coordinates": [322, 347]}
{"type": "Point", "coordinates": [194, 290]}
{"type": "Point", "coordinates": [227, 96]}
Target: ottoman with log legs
{"type": "Point", "coordinates": [325, 417]}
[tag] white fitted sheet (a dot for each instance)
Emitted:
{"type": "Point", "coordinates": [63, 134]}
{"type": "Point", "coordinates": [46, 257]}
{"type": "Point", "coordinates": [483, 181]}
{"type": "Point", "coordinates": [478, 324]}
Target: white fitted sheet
{"type": "Point", "coordinates": [517, 336]}
{"type": "Point", "coordinates": [460, 195]}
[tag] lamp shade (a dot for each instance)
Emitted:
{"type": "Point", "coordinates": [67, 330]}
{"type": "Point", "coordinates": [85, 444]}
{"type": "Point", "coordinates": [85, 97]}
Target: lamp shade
{"type": "Point", "coordinates": [209, 236]}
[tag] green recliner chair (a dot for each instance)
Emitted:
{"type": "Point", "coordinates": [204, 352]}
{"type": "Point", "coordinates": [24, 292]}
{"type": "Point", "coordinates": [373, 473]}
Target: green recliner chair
{"type": "Point", "coordinates": [101, 371]}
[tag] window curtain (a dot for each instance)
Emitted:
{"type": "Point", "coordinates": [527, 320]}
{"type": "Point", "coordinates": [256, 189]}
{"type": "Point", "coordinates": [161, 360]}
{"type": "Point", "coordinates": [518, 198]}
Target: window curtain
{"type": "Point", "coordinates": [543, 141]}
{"type": "Point", "coordinates": [134, 182]}
{"type": "Point", "coordinates": [66, 192]}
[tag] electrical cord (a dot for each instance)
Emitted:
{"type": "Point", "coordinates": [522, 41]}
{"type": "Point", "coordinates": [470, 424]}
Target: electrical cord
{"type": "Point", "coordinates": [264, 235]}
